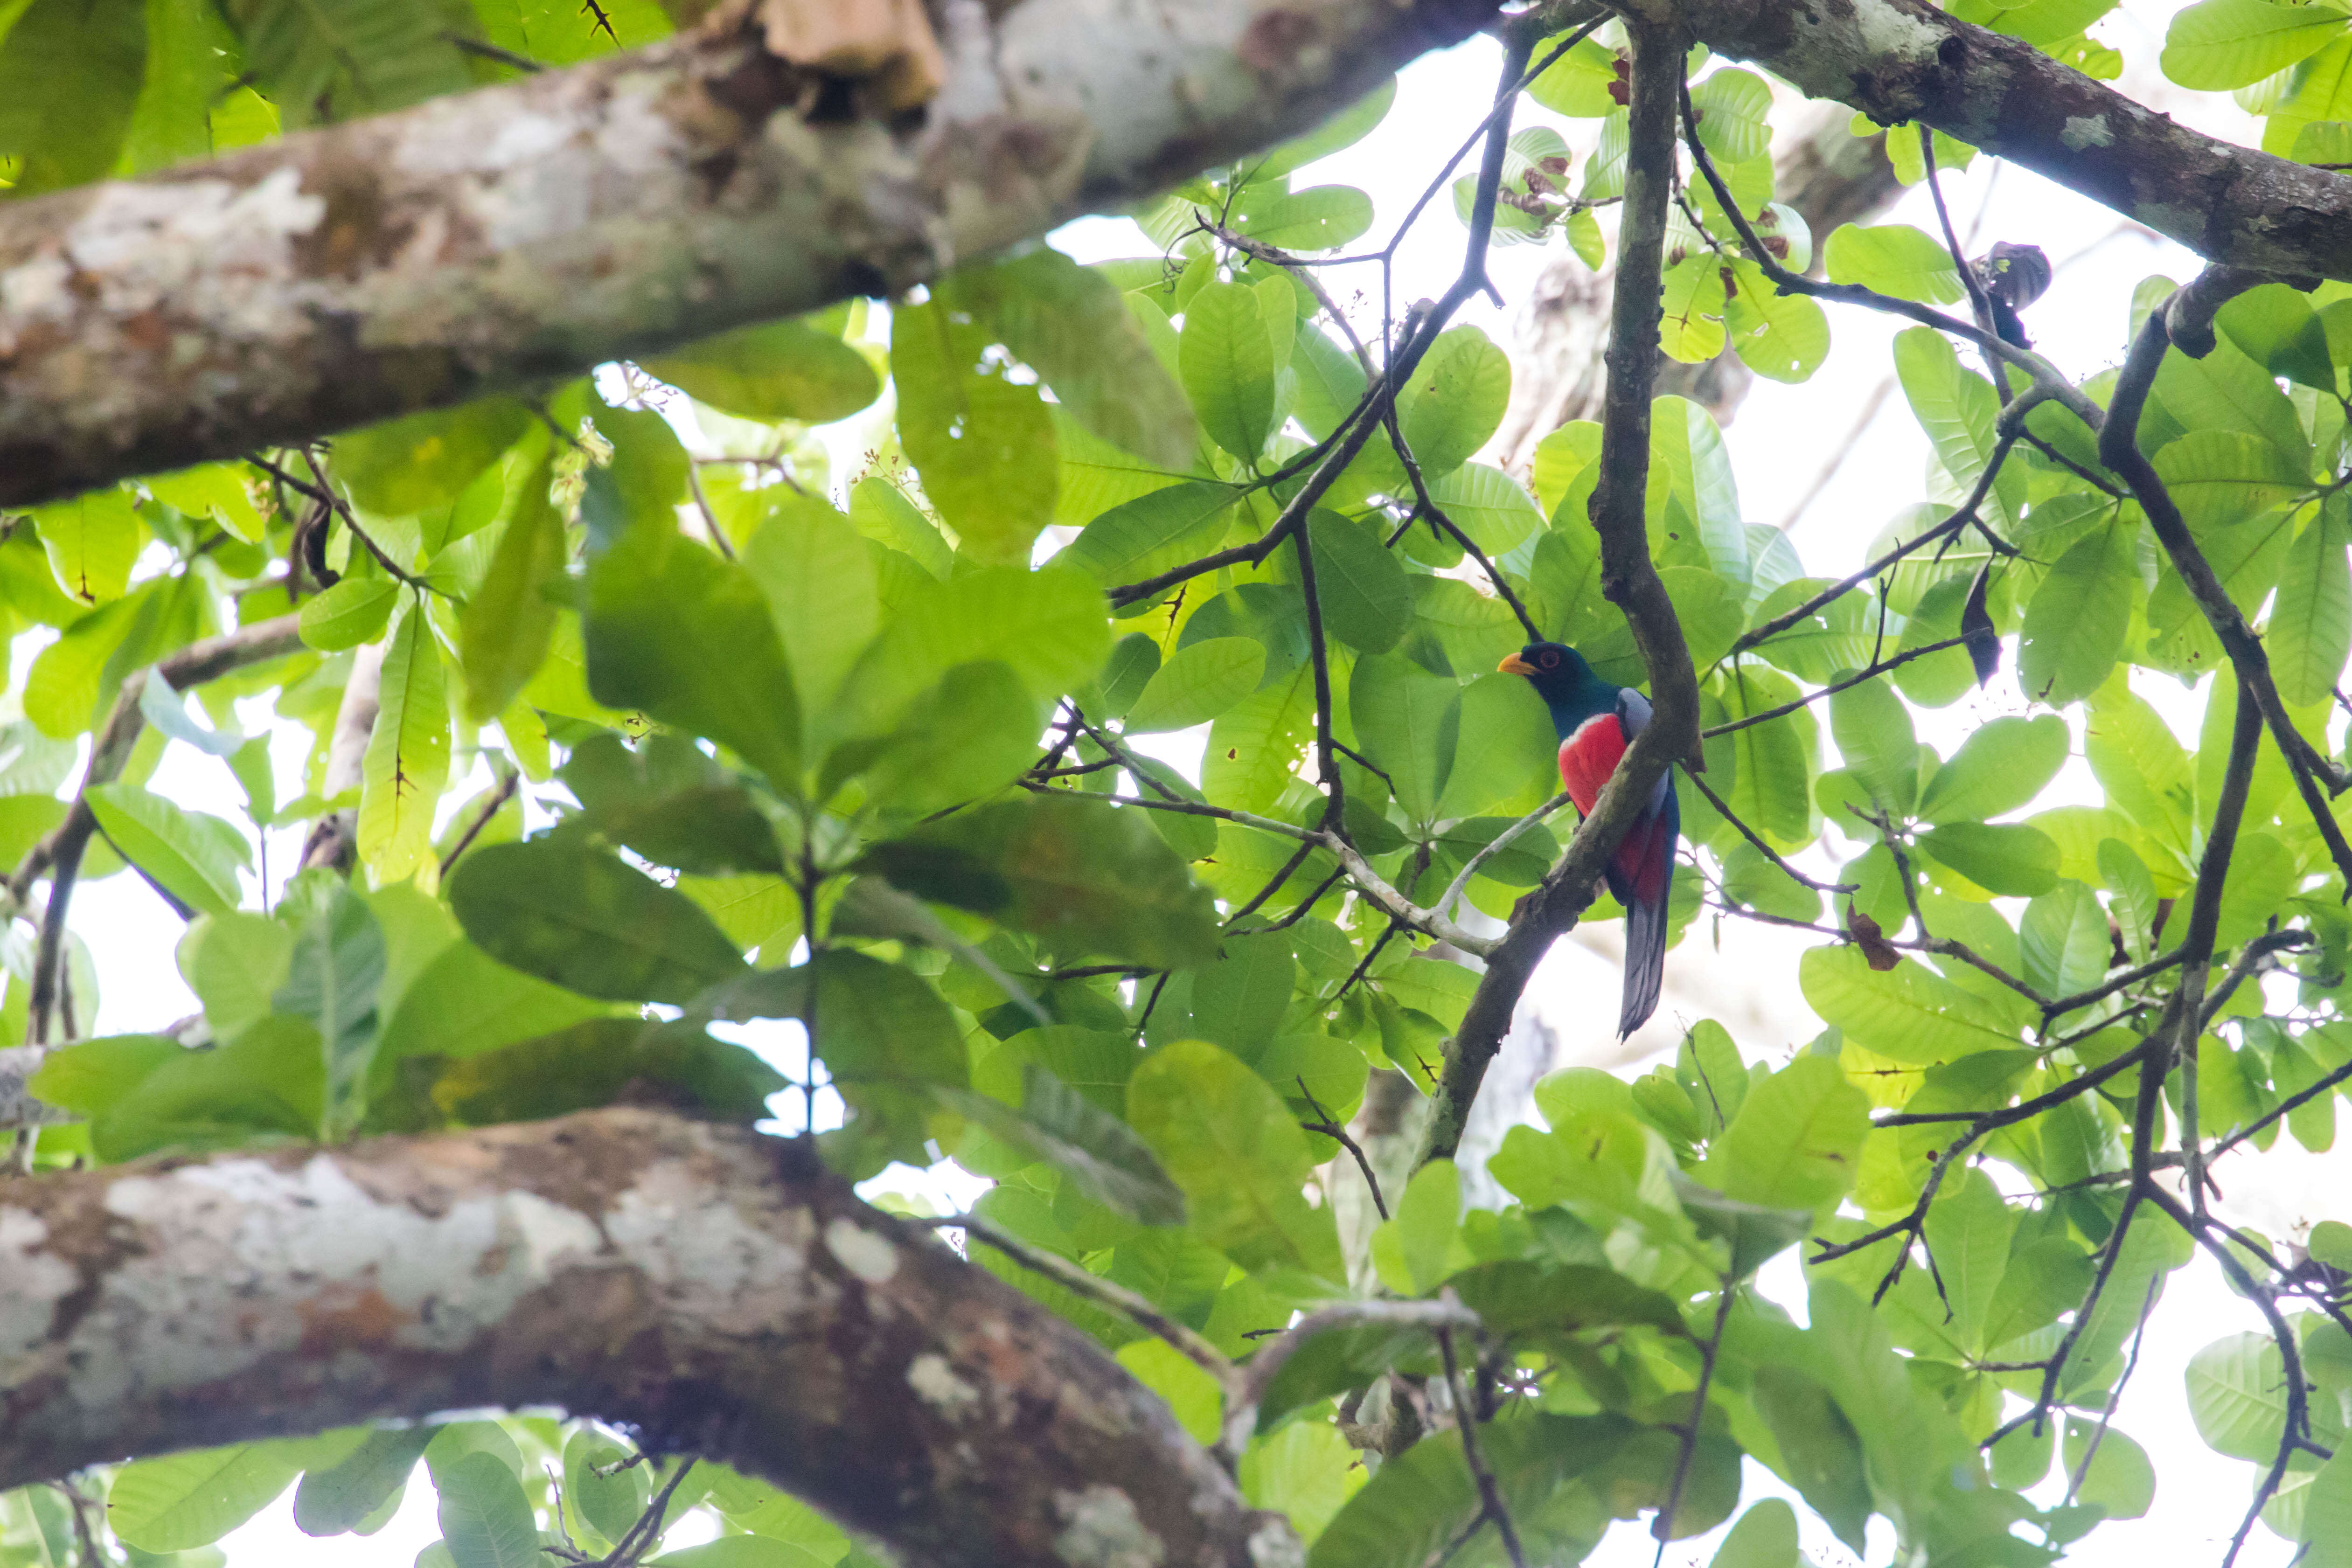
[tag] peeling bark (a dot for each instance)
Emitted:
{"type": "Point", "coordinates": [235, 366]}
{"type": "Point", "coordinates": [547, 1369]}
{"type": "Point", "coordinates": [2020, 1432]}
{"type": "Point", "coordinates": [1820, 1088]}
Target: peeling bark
{"type": "Point", "coordinates": [501, 238]}
{"type": "Point", "coordinates": [716, 1289]}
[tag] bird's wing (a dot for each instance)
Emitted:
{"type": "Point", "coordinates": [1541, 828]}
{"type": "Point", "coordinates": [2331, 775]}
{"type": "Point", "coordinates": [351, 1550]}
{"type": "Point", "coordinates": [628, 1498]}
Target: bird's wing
{"type": "Point", "coordinates": [1633, 717]}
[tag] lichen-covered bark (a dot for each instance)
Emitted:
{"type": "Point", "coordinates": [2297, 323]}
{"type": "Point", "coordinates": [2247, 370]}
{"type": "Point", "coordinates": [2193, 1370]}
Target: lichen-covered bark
{"type": "Point", "coordinates": [716, 1287]}
{"type": "Point", "coordinates": [526, 232]}
{"type": "Point", "coordinates": [1905, 60]}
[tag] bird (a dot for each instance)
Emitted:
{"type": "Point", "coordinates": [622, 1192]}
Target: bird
{"type": "Point", "coordinates": [2012, 277]}
{"type": "Point", "coordinates": [1596, 721]}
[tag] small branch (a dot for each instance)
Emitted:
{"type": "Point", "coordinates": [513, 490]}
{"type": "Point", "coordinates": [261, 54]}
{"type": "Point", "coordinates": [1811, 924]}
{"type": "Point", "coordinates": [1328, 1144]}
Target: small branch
{"type": "Point", "coordinates": [1257, 1374]}
{"type": "Point", "coordinates": [1662, 1526]}
{"type": "Point", "coordinates": [1445, 901]}
{"type": "Point", "coordinates": [1491, 1506]}
{"type": "Point", "coordinates": [1895, 662]}
{"type": "Point", "coordinates": [2115, 1394]}
{"type": "Point", "coordinates": [1756, 841]}
{"type": "Point", "coordinates": [508, 778]}
{"type": "Point", "coordinates": [1103, 1292]}
{"type": "Point", "coordinates": [1330, 1128]}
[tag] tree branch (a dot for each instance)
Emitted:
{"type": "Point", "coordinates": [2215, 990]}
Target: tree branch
{"type": "Point", "coordinates": [774, 1322]}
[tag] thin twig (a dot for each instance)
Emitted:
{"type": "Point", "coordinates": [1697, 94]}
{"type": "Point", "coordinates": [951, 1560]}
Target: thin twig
{"type": "Point", "coordinates": [1491, 1506]}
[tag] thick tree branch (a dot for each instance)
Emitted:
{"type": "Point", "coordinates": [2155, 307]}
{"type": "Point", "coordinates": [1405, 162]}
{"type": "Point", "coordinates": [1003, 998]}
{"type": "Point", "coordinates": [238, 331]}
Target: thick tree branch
{"type": "Point", "coordinates": [717, 1289]}
{"type": "Point", "coordinates": [1900, 60]}
{"type": "Point", "coordinates": [497, 239]}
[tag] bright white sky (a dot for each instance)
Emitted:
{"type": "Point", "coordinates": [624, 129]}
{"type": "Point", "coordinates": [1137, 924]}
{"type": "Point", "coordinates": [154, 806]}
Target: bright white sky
{"type": "Point", "coordinates": [1778, 443]}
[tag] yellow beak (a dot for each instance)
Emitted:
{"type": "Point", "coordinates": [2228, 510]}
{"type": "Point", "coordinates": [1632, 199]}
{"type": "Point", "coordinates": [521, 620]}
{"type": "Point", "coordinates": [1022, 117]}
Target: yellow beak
{"type": "Point", "coordinates": [1513, 665]}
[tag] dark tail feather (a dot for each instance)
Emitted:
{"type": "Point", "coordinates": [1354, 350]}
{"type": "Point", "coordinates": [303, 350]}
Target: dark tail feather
{"type": "Point", "coordinates": [1645, 919]}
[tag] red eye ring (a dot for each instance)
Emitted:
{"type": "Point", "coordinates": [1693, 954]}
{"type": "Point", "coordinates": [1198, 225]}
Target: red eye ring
{"type": "Point", "coordinates": [1548, 659]}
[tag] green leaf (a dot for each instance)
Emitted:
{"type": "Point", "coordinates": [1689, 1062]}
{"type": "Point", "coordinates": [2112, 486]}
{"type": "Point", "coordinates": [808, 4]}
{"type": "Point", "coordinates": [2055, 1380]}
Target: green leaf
{"type": "Point", "coordinates": [970, 735]}
{"type": "Point", "coordinates": [1895, 259]}
{"type": "Point", "coordinates": [1957, 408]}
{"type": "Point", "coordinates": [1691, 329]}
{"type": "Point", "coordinates": [1873, 731]}
{"type": "Point", "coordinates": [742, 1552]}
{"type": "Point", "coordinates": [407, 760]}
{"type": "Point", "coordinates": [2237, 1396]}
{"type": "Point", "coordinates": [486, 1520]}
{"type": "Point", "coordinates": [2218, 45]}
{"type": "Point", "coordinates": [819, 582]}
{"type": "Point", "coordinates": [1365, 598]}
{"type": "Point", "coordinates": [1232, 1145]}
{"type": "Point", "coordinates": [1781, 337]}
{"type": "Point", "coordinates": [505, 625]}
{"type": "Point", "coordinates": [407, 465]}
{"type": "Point", "coordinates": [341, 1498]}
{"type": "Point", "coordinates": [1765, 1537]}
{"type": "Point", "coordinates": [70, 79]}
{"type": "Point", "coordinates": [2012, 860]}
{"type": "Point", "coordinates": [1228, 356]}
{"type": "Point", "coordinates": [2075, 627]}
{"type": "Point", "coordinates": [609, 1503]}
{"type": "Point", "coordinates": [1999, 768]}
{"type": "Point", "coordinates": [1734, 109]}
{"type": "Point", "coordinates": [1489, 505]}
{"type": "Point", "coordinates": [1407, 720]}
{"type": "Point", "coordinates": [1505, 751]}
{"type": "Point", "coordinates": [1578, 84]}
{"type": "Point", "coordinates": [688, 638]}
{"type": "Point", "coordinates": [92, 542]}
{"type": "Point", "coordinates": [189, 1499]}
{"type": "Point", "coordinates": [333, 976]}
{"type": "Point", "coordinates": [781, 371]}
{"type": "Point", "coordinates": [323, 60]}
{"type": "Point", "coordinates": [195, 857]}
{"type": "Point", "coordinates": [1092, 1148]}
{"type": "Point", "coordinates": [1255, 745]}
{"type": "Point", "coordinates": [1200, 682]}
{"type": "Point", "coordinates": [1144, 537]}
{"type": "Point", "coordinates": [465, 1002]}
{"type": "Point", "coordinates": [1322, 217]}
{"type": "Point", "coordinates": [1774, 761]}
{"type": "Point", "coordinates": [2114, 1476]}
{"type": "Point", "coordinates": [2310, 629]}
{"type": "Point", "coordinates": [2223, 476]}
{"type": "Point", "coordinates": [1453, 402]}
{"type": "Point", "coordinates": [1907, 1013]}
{"type": "Point", "coordinates": [1796, 1140]}
{"type": "Point", "coordinates": [1087, 876]}
{"type": "Point", "coordinates": [2064, 941]}
{"type": "Point", "coordinates": [352, 611]}
{"type": "Point", "coordinates": [584, 920]}
{"type": "Point", "coordinates": [2327, 1515]}
{"type": "Point", "coordinates": [1070, 323]}
{"type": "Point", "coordinates": [982, 441]}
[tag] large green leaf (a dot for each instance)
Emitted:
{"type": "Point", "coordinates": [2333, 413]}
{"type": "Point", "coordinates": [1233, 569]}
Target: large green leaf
{"type": "Point", "coordinates": [782, 370]}
{"type": "Point", "coordinates": [1092, 1148]}
{"type": "Point", "coordinates": [1454, 403]}
{"type": "Point", "coordinates": [333, 977]}
{"type": "Point", "coordinates": [507, 624]}
{"type": "Point", "coordinates": [1774, 761]}
{"type": "Point", "coordinates": [1957, 408]}
{"type": "Point", "coordinates": [407, 760]}
{"type": "Point", "coordinates": [2075, 625]}
{"type": "Point", "coordinates": [1908, 1013]}
{"type": "Point", "coordinates": [1228, 1140]}
{"type": "Point", "coordinates": [1796, 1140]}
{"type": "Point", "coordinates": [2222, 477]}
{"type": "Point", "coordinates": [486, 1520]}
{"type": "Point", "coordinates": [1087, 876]}
{"type": "Point", "coordinates": [2000, 767]}
{"type": "Point", "coordinates": [1200, 681]}
{"type": "Point", "coordinates": [321, 61]}
{"type": "Point", "coordinates": [819, 582]}
{"type": "Point", "coordinates": [343, 1495]}
{"type": "Point", "coordinates": [193, 856]}
{"type": "Point", "coordinates": [1893, 258]}
{"type": "Point", "coordinates": [2012, 858]}
{"type": "Point", "coordinates": [2310, 629]}
{"type": "Point", "coordinates": [1873, 731]}
{"type": "Point", "coordinates": [70, 73]}
{"type": "Point", "coordinates": [982, 441]}
{"type": "Point", "coordinates": [2064, 941]}
{"type": "Point", "coordinates": [1407, 720]}
{"type": "Point", "coordinates": [688, 638]}
{"type": "Point", "coordinates": [184, 1500]}
{"type": "Point", "coordinates": [2237, 1396]}
{"type": "Point", "coordinates": [2217, 44]}
{"type": "Point", "coordinates": [425, 459]}
{"type": "Point", "coordinates": [1068, 323]}
{"type": "Point", "coordinates": [91, 541]}
{"type": "Point", "coordinates": [1230, 354]}
{"type": "Point", "coordinates": [583, 919]}
{"type": "Point", "coordinates": [1365, 598]}
{"type": "Point", "coordinates": [1142, 537]}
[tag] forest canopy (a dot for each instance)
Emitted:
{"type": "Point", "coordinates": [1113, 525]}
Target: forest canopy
{"type": "Point", "coordinates": [458, 397]}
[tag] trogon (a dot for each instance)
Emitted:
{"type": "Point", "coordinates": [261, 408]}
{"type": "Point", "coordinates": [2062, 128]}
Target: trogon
{"type": "Point", "coordinates": [1596, 721]}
